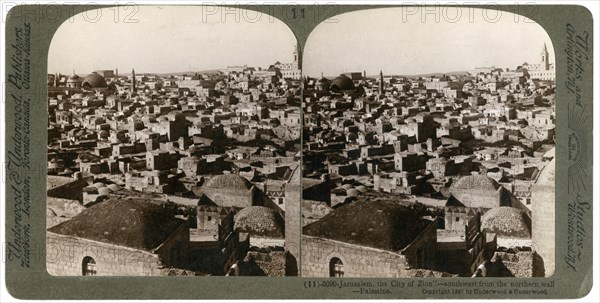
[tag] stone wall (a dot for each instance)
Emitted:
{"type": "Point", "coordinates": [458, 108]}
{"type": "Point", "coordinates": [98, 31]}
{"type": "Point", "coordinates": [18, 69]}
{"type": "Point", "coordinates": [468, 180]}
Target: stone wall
{"type": "Point", "coordinates": [64, 257]}
{"type": "Point", "coordinates": [358, 261]}
{"type": "Point", "coordinates": [65, 254]}
{"type": "Point", "coordinates": [519, 264]}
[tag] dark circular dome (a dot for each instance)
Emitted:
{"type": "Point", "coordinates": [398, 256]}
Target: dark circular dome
{"type": "Point", "coordinates": [342, 83]}
{"type": "Point", "coordinates": [260, 221]}
{"type": "Point", "coordinates": [228, 181]}
{"type": "Point", "coordinates": [94, 80]}
{"type": "Point", "coordinates": [507, 222]}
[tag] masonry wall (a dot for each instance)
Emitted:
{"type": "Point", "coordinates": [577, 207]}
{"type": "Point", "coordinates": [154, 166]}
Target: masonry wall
{"type": "Point", "coordinates": [65, 254]}
{"type": "Point", "coordinates": [64, 257]}
{"type": "Point", "coordinates": [358, 261]}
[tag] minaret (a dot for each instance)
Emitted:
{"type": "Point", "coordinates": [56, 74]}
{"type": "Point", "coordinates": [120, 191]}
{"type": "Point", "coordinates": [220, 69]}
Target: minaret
{"type": "Point", "coordinates": [544, 64]}
{"type": "Point", "coordinates": [364, 74]}
{"type": "Point", "coordinates": [133, 88]}
{"type": "Point", "coordinates": [381, 82]}
{"type": "Point", "coordinates": [116, 73]}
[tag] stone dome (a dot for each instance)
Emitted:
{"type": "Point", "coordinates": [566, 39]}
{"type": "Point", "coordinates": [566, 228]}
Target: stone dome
{"type": "Point", "coordinates": [478, 182]}
{"type": "Point", "coordinates": [98, 185]}
{"type": "Point", "coordinates": [342, 83]}
{"type": "Point", "coordinates": [260, 221]}
{"type": "Point", "coordinates": [374, 223]}
{"type": "Point", "coordinates": [94, 80]}
{"type": "Point", "coordinates": [228, 181]}
{"type": "Point", "coordinates": [135, 223]}
{"type": "Point", "coordinates": [104, 191]}
{"type": "Point", "coordinates": [114, 187]}
{"type": "Point", "coordinates": [74, 79]}
{"type": "Point", "coordinates": [507, 222]}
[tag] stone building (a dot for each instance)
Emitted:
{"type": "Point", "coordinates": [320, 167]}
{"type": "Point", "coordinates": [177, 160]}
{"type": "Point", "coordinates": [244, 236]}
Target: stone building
{"type": "Point", "coordinates": [476, 194]}
{"type": "Point", "coordinates": [105, 238]}
{"type": "Point", "coordinates": [368, 239]}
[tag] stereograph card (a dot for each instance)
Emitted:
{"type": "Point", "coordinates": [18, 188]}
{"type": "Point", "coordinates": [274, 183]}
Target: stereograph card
{"type": "Point", "coordinates": [319, 151]}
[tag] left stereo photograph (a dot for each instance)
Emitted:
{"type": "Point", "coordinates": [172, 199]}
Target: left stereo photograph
{"type": "Point", "coordinates": [173, 145]}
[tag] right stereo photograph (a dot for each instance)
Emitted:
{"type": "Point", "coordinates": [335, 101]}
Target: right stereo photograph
{"type": "Point", "coordinates": [428, 146]}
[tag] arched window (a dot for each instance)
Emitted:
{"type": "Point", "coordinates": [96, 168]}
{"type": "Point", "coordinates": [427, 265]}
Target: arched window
{"type": "Point", "coordinates": [336, 267]}
{"type": "Point", "coordinates": [88, 266]}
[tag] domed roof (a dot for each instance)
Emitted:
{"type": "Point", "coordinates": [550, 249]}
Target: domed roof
{"type": "Point", "coordinates": [260, 221]}
{"type": "Point", "coordinates": [114, 187]}
{"type": "Point", "coordinates": [98, 185]}
{"type": "Point", "coordinates": [507, 222]}
{"type": "Point", "coordinates": [375, 223]}
{"type": "Point", "coordinates": [74, 78]}
{"type": "Point", "coordinates": [136, 223]}
{"type": "Point", "coordinates": [478, 182]}
{"type": "Point", "coordinates": [342, 83]}
{"type": "Point", "coordinates": [362, 188]}
{"type": "Point", "coordinates": [323, 80]}
{"type": "Point", "coordinates": [228, 181]}
{"type": "Point", "coordinates": [94, 80]}
{"type": "Point", "coordinates": [347, 186]}
{"type": "Point", "coordinates": [104, 191]}
{"type": "Point", "coordinates": [353, 192]}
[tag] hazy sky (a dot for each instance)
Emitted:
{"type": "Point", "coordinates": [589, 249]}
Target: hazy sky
{"type": "Point", "coordinates": [169, 39]}
{"type": "Point", "coordinates": [398, 41]}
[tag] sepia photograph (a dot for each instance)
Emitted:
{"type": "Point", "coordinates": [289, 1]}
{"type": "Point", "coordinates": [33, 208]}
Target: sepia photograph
{"type": "Point", "coordinates": [173, 144]}
{"type": "Point", "coordinates": [428, 146]}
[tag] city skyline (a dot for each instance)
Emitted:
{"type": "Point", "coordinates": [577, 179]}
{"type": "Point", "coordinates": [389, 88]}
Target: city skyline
{"type": "Point", "coordinates": [397, 46]}
{"type": "Point", "coordinates": [149, 45]}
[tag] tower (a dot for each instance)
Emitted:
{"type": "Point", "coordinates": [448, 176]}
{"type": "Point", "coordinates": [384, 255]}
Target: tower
{"type": "Point", "coordinates": [544, 63]}
{"type": "Point", "coordinates": [297, 58]}
{"type": "Point", "coordinates": [381, 82]}
{"type": "Point", "coordinates": [133, 88]}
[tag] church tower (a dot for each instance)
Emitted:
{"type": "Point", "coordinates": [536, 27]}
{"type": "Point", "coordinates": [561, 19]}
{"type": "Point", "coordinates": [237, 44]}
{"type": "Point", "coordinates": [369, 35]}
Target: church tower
{"type": "Point", "coordinates": [544, 64]}
{"type": "Point", "coordinates": [297, 58]}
